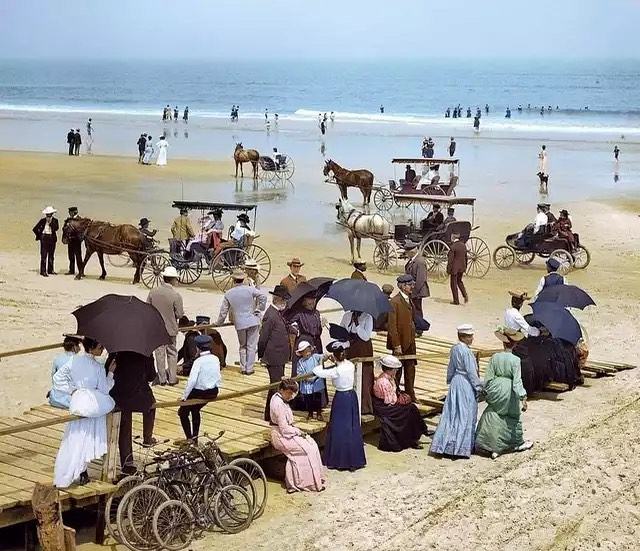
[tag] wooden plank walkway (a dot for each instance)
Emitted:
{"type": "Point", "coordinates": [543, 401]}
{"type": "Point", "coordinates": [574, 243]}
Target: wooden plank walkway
{"type": "Point", "coordinates": [28, 457]}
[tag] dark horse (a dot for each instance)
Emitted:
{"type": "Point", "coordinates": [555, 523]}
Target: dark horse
{"type": "Point", "coordinates": [362, 179]}
{"type": "Point", "coordinates": [104, 238]}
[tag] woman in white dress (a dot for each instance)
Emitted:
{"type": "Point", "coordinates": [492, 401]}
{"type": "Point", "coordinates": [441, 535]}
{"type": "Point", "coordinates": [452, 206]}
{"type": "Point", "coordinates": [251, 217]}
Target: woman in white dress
{"type": "Point", "coordinates": [148, 152]}
{"type": "Point", "coordinates": [162, 146]}
{"type": "Point", "coordinates": [85, 439]}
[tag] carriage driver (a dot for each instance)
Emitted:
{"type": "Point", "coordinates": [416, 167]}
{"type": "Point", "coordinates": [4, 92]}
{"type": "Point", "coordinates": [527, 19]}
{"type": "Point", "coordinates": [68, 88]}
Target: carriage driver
{"type": "Point", "coordinates": [433, 220]}
{"type": "Point", "coordinates": [277, 158]}
{"type": "Point", "coordinates": [143, 226]}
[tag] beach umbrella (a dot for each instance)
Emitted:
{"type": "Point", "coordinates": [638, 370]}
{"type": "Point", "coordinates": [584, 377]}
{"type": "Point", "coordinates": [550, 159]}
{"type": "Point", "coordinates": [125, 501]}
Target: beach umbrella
{"type": "Point", "coordinates": [122, 323]}
{"type": "Point", "coordinates": [558, 320]}
{"type": "Point", "coordinates": [316, 285]}
{"type": "Point", "coordinates": [566, 295]}
{"type": "Point", "coordinates": [359, 296]}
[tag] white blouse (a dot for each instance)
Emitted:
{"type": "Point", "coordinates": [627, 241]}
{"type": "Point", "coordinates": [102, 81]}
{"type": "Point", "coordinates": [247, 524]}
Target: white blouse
{"type": "Point", "coordinates": [342, 375]}
{"type": "Point", "coordinates": [364, 327]}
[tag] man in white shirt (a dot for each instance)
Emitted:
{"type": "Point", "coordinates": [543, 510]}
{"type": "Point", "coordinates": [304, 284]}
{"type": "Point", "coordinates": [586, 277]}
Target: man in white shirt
{"type": "Point", "coordinates": [541, 220]}
{"type": "Point", "coordinates": [203, 383]}
{"type": "Point", "coordinates": [513, 319]}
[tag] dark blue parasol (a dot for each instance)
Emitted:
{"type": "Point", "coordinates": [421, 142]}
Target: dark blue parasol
{"type": "Point", "coordinates": [558, 320]}
{"type": "Point", "coordinates": [358, 295]}
{"type": "Point", "coordinates": [566, 295]}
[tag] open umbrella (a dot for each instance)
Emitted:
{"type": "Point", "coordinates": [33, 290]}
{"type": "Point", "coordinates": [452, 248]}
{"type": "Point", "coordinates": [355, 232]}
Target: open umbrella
{"type": "Point", "coordinates": [558, 320]}
{"type": "Point", "coordinates": [360, 296]}
{"type": "Point", "coordinates": [566, 295]}
{"type": "Point", "coordinates": [122, 323]}
{"type": "Point", "coordinates": [317, 285]}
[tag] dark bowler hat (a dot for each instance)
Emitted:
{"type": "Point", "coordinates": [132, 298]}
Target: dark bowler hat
{"type": "Point", "coordinates": [243, 216]}
{"type": "Point", "coordinates": [280, 291]}
{"type": "Point", "coordinates": [553, 264]}
{"type": "Point", "coordinates": [203, 320]}
{"type": "Point", "coordinates": [405, 278]}
{"type": "Point", "coordinates": [203, 341]}
{"type": "Point", "coordinates": [73, 209]}
{"type": "Point", "coordinates": [143, 221]}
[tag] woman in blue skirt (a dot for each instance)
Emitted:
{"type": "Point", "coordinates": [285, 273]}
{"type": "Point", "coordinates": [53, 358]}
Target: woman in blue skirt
{"type": "Point", "coordinates": [344, 449]}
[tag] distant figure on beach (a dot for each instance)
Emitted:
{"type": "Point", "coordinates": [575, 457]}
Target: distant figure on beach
{"type": "Point", "coordinates": [71, 141]}
{"type": "Point", "coordinates": [429, 150]}
{"type": "Point", "coordinates": [542, 110]}
{"type": "Point", "coordinates": [478, 112]}
{"type": "Point", "coordinates": [452, 147]}
{"type": "Point", "coordinates": [507, 115]}
{"type": "Point", "coordinates": [175, 114]}
{"type": "Point", "coordinates": [323, 127]}
{"type": "Point", "coordinates": [74, 243]}
{"type": "Point", "coordinates": [455, 112]}
{"type": "Point", "coordinates": [89, 136]}
{"type": "Point", "coordinates": [382, 109]}
{"type": "Point", "coordinates": [162, 146]}
{"type": "Point", "coordinates": [486, 108]}
{"type": "Point", "coordinates": [476, 124]}
{"type": "Point", "coordinates": [447, 113]}
{"type": "Point", "coordinates": [148, 151]}
{"type": "Point", "coordinates": [325, 118]}
{"type": "Point", "coordinates": [77, 142]}
{"type": "Point", "coordinates": [543, 169]}
{"type": "Point", "coordinates": [166, 115]}
{"type": "Point", "coordinates": [266, 114]}
{"type": "Point", "coordinates": [332, 117]}
{"type": "Point", "coordinates": [519, 108]}
{"type": "Point", "coordinates": [89, 127]}
{"type": "Point", "coordinates": [468, 112]}
{"type": "Point", "coordinates": [185, 114]}
{"type": "Point", "coordinates": [616, 152]}
{"type": "Point", "coordinates": [275, 119]}
{"type": "Point", "coordinates": [46, 232]}
{"type": "Point", "coordinates": [142, 144]}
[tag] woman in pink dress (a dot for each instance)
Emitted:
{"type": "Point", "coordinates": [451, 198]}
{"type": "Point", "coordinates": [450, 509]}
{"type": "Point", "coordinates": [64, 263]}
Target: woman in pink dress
{"type": "Point", "coordinates": [304, 471]}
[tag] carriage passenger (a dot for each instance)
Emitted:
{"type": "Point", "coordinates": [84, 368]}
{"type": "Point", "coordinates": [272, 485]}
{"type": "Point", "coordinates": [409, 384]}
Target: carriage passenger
{"type": "Point", "coordinates": [242, 230]}
{"type": "Point", "coordinates": [433, 220]}
{"type": "Point", "coordinates": [563, 227]}
{"type": "Point", "coordinates": [409, 175]}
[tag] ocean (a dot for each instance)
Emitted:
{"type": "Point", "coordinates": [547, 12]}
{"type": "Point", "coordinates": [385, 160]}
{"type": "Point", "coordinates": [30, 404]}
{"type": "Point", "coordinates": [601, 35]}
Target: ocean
{"type": "Point", "coordinates": [412, 92]}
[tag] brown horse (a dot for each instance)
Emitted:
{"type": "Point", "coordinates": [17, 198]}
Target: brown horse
{"type": "Point", "coordinates": [104, 238]}
{"type": "Point", "coordinates": [241, 155]}
{"type": "Point", "coordinates": [362, 179]}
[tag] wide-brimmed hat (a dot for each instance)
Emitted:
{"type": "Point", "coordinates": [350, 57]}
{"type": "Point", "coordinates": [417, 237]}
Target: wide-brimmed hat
{"type": "Point", "coordinates": [295, 261]}
{"type": "Point", "coordinates": [302, 346]}
{"type": "Point", "coordinates": [564, 212]}
{"type": "Point", "coordinates": [465, 329]}
{"type": "Point", "coordinates": [280, 291]}
{"type": "Point", "coordinates": [73, 209]}
{"type": "Point", "coordinates": [390, 362]}
{"type": "Point", "coordinates": [238, 275]}
{"type": "Point", "coordinates": [519, 293]}
{"type": "Point", "coordinates": [337, 346]}
{"type": "Point", "coordinates": [243, 216]}
{"type": "Point", "coordinates": [506, 334]}
{"type": "Point", "coordinates": [143, 221]}
{"type": "Point", "coordinates": [49, 210]}
{"type": "Point", "coordinates": [170, 271]}
{"type": "Point", "coordinates": [251, 264]}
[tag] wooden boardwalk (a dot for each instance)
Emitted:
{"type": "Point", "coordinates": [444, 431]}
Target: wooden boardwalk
{"type": "Point", "coordinates": [28, 457]}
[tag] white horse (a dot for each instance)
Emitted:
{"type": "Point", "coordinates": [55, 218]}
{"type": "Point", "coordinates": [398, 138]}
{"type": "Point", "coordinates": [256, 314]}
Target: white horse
{"type": "Point", "coordinates": [361, 225]}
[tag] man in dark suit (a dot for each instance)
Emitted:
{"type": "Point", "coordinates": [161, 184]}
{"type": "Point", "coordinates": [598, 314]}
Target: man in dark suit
{"type": "Point", "coordinates": [45, 232]}
{"type": "Point", "coordinates": [71, 141]}
{"type": "Point", "coordinates": [274, 348]}
{"type": "Point", "coordinates": [132, 393]}
{"type": "Point", "coordinates": [456, 267]}
{"type": "Point", "coordinates": [416, 267]}
{"type": "Point", "coordinates": [74, 243]}
{"type": "Point", "coordinates": [77, 141]}
{"type": "Point", "coordinates": [360, 267]}
{"type": "Point", "coordinates": [142, 144]}
{"type": "Point", "coordinates": [433, 220]}
{"type": "Point", "coordinates": [401, 332]}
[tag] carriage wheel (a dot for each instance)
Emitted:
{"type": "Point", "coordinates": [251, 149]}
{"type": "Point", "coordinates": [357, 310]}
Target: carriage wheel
{"type": "Point", "coordinates": [288, 169]}
{"type": "Point", "coordinates": [264, 175]}
{"type": "Point", "coordinates": [119, 260]}
{"type": "Point", "coordinates": [478, 257]}
{"type": "Point", "coordinates": [385, 256]}
{"type": "Point", "coordinates": [402, 203]}
{"type": "Point", "coordinates": [504, 257]}
{"type": "Point", "coordinates": [436, 253]}
{"type": "Point", "coordinates": [257, 253]}
{"type": "Point", "coordinates": [188, 271]}
{"type": "Point", "coordinates": [581, 258]}
{"type": "Point", "coordinates": [151, 269]}
{"type": "Point", "coordinates": [525, 257]}
{"type": "Point", "coordinates": [565, 259]}
{"type": "Point", "coordinates": [383, 199]}
{"type": "Point", "coordinates": [223, 264]}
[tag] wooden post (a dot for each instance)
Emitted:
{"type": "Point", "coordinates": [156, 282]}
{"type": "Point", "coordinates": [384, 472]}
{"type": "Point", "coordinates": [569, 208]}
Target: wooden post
{"type": "Point", "coordinates": [48, 514]}
{"type": "Point", "coordinates": [69, 539]}
{"type": "Point", "coordinates": [358, 387]}
{"type": "Point", "coordinates": [101, 520]}
{"type": "Point", "coordinates": [110, 463]}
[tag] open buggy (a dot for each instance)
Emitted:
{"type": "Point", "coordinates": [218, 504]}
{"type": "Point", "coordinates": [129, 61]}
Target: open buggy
{"type": "Point", "coordinates": [276, 168]}
{"type": "Point", "coordinates": [191, 259]}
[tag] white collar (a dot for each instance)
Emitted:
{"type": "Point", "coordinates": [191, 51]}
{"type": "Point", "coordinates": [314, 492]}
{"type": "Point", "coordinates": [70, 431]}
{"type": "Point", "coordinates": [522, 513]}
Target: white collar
{"type": "Point", "coordinates": [205, 353]}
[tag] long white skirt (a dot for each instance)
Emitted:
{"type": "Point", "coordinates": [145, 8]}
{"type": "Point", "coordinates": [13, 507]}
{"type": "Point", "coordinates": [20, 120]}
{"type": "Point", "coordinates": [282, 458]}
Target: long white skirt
{"type": "Point", "coordinates": [162, 157]}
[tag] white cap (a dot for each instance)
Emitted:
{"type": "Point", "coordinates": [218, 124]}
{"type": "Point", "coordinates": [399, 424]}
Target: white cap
{"type": "Point", "coordinates": [465, 329]}
{"type": "Point", "coordinates": [49, 210]}
{"type": "Point", "coordinates": [303, 345]}
{"type": "Point", "coordinates": [170, 271]}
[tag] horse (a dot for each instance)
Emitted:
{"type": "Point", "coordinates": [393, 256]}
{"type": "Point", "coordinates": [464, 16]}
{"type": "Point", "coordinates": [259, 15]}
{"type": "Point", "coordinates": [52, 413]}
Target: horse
{"type": "Point", "coordinates": [361, 225]}
{"type": "Point", "coordinates": [362, 179]}
{"type": "Point", "coordinates": [241, 155]}
{"type": "Point", "coordinates": [105, 238]}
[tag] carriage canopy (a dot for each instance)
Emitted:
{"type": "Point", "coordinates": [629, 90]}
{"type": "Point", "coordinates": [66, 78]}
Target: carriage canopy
{"type": "Point", "coordinates": [426, 161]}
{"type": "Point", "coordinates": [199, 205]}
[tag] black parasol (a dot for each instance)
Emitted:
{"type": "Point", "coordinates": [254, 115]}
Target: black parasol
{"type": "Point", "coordinates": [359, 296]}
{"type": "Point", "coordinates": [122, 323]}
{"type": "Point", "coordinates": [566, 295]}
{"type": "Point", "coordinates": [316, 285]}
{"type": "Point", "coordinates": [558, 320]}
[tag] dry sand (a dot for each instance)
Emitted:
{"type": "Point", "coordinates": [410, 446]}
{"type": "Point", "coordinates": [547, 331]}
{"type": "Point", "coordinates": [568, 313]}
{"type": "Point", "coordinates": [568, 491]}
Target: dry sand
{"type": "Point", "coordinates": [577, 489]}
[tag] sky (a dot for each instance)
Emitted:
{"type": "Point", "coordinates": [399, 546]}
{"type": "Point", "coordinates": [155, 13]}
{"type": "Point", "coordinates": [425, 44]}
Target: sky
{"type": "Point", "coordinates": [325, 29]}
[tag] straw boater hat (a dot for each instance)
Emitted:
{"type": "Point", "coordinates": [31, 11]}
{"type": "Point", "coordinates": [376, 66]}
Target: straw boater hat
{"type": "Point", "coordinates": [49, 210]}
{"type": "Point", "coordinates": [465, 329]}
{"type": "Point", "coordinates": [170, 271]}
{"type": "Point", "coordinates": [506, 334]}
{"type": "Point", "coordinates": [519, 293]}
{"type": "Point", "coordinates": [252, 265]}
{"type": "Point", "coordinates": [295, 261]}
{"type": "Point", "coordinates": [302, 346]}
{"type": "Point", "coordinates": [359, 262]}
{"type": "Point", "coordinates": [390, 362]}
{"type": "Point", "coordinates": [238, 275]}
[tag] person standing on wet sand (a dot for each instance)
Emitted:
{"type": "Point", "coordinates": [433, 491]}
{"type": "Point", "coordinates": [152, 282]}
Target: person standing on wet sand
{"type": "Point", "coordinates": [616, 152]}
{"type": "Point", "coordinates": [71, 141]}
{"type": "Point", "coordinates": [77, 142]}
{"type": "Point", "coordinates": [142, 144]}
{"type": "Point", "coordinates": [452, 147]}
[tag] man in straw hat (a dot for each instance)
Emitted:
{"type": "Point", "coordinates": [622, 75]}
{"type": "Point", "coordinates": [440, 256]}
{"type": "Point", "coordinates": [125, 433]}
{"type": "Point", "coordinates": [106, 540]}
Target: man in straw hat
{"type": "Point", "coordinates": [294, 278]}
{"type": "Point", "coordinates": [401, 332]}
{"type": "Point", "coordinates": [360, 267]}
{"type": "Point", "coordinates": [401, 425]}
{"type": "Point", "coordinates": [513, 319]}
{"type": "Point", "coordinates": [456, 267]}
{"type": "Point", "coordinates": [45, 232]}
{"type": "Point", "coordinates": [274, 347]}
{"type": "Point", "coordinates": [500, 427]}
{"type": "Point", "coordinates": [168, 302]}
{"type": "Point", "coordinates": [455, 435]}
{"type": "Point", "coordinates": [245, 304]}
{"type": "Point", "coordinates": [252, 269]}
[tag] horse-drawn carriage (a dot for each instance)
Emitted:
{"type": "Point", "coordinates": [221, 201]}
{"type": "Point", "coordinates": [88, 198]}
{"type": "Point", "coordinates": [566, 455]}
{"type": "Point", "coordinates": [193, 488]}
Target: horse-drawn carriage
{"type": "Point", "coordinates": [428, 181]}
{"type": "Point", "coordinates": [191, 261]}
{"type": "Point", "coordinates": [524, 246]}
{"type": "Point", "coordinates": [276, 168]}
{"type": "Point", "coordinates": [435, 242]}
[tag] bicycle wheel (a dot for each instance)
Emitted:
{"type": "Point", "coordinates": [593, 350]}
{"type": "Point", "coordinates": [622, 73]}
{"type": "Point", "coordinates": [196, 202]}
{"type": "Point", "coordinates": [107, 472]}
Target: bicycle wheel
{"type": "Point", "coordinates": [111, 508]}
{"type": "Point", "coordinates": [141, 506]}
{"type": "Point", "coordinates": [259, 480]}
{"type": "Point", "coordinates": [173, 525]}
{"type": "Point", "coordinates": [232, 509]}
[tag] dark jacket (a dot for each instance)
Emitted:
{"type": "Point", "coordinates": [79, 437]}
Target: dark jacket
{"type": "Point", "coordinates": [142, 144]}
{"type": "Point", "coordinates": [71, 137]}
{"type": "Point", "coordinates": [273, 343]}
{"type": "Point", "coordinates": [401, 329]}
{"type": "Point", "coordinates": [77, 138]}
{"type": "Point", "coordinates": [457, 260]}
{"type": "Point", "coordinates": [134, 372]}
{"type": "Point", "coordinates": [189, 351]}
{"type": "Point", "coordinates": [39, 228]}
{"type": "Point", "coordinates": [417, 267]}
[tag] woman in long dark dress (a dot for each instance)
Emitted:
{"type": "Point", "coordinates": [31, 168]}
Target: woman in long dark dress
{"type": "Point", "coordinates": [344, 448]}
{"type": "Point", "coordinates": [401, 425]}
{"type": "Point", "coordinates": [360, 326]}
